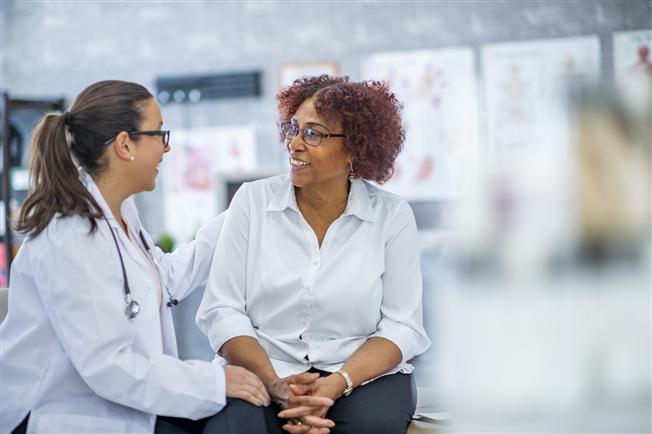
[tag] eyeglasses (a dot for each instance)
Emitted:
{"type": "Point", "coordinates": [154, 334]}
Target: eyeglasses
{"type": "Point", "coordinates": [310, 136]}
{"type": "Point", "coordinates": [165, 136]}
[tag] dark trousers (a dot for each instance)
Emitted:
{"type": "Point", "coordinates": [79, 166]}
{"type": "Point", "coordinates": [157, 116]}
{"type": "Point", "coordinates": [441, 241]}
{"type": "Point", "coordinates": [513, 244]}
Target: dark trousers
{"type": "Point", "coordinates": [384, 406]}
{"type": "Point", "coordinates": [22, 428]}
{"type": "Point", "coordinates": [177, 425]}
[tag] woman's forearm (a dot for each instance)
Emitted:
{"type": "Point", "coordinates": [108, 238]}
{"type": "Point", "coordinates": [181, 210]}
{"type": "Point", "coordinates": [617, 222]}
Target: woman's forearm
{"type": "Point", "coordinates": [247, 352]}
{"type": "Point", "coordinates": [375, 357]}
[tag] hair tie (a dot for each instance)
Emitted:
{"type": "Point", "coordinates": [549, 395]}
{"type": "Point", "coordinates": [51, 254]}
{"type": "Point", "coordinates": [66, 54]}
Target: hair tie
{"type": "Point", "coordinates": [66, 118]}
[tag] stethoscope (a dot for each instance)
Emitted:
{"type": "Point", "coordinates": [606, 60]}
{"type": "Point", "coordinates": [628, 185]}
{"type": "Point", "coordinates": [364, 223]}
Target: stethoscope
{"type": "Point", "coordinates": [132, 307]}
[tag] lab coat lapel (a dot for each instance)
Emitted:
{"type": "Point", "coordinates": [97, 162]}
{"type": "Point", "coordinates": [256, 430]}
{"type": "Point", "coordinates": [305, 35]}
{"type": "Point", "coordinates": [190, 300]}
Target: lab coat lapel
{"type": "Point", "coordinates": [128, 214]}
{"type": "Point", "coordinates": [167, 328]}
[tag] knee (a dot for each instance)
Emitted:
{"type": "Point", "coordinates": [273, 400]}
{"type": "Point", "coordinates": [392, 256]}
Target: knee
{"type": "Point", "coordinates": [382, 423]}
{"type": "Point", "coordinates": [240, 405]}
{"type": "Point", "coordinates": [237, 417]}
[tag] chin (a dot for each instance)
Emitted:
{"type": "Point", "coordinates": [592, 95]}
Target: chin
{"type": "Point", "coordinates": [299, 180]}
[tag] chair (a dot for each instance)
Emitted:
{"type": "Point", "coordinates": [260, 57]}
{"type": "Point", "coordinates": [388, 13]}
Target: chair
{"type": "Point", "coordinates": [4, 299]}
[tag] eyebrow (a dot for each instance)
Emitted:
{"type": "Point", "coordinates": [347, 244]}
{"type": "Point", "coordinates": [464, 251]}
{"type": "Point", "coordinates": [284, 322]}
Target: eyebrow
{"type": "Point", "coordinates": [312, 124]}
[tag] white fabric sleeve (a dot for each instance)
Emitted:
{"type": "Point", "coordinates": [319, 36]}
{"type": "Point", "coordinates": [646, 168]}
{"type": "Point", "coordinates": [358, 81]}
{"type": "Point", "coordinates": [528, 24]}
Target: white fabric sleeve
{"type": "Point", "coordinates": [401, 308]}
{"type": "Point", "coordinates": [82, 290]}
{"type": "Point", "coordinates": [187, 268]}
{"type": "Point", "coordinates": [222, 313]}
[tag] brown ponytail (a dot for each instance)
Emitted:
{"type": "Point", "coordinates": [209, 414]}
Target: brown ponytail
{"type": "Point", "coordinates": [99, 113]}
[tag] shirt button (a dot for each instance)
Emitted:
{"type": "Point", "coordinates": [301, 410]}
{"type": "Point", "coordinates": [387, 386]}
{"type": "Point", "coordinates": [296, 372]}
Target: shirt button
{"type": "Point", "coordinates": [315, 262]}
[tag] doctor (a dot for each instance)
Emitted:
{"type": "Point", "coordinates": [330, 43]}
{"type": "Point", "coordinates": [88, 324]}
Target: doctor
{"type": "Point", "coordinates": [88, 344]}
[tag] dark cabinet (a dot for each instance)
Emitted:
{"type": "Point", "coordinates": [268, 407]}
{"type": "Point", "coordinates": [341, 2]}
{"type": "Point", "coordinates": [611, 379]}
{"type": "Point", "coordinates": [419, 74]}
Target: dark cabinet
{"type": "Point", "coordinates": [18, 118]}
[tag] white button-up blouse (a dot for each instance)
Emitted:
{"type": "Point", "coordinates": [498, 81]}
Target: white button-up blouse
{"type": "Point", "coordinates": [310, 306]}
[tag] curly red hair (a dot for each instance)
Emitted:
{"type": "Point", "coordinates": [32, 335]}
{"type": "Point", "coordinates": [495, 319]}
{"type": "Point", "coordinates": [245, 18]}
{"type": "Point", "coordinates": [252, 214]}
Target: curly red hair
{"type": "Point", "coordinates": [368, 111]}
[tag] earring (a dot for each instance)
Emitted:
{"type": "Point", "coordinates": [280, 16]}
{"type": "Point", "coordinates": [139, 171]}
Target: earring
{"type": "Point", "coordinates": [352, 173]}
{"type": "Point", "coordinates": [132, 158]}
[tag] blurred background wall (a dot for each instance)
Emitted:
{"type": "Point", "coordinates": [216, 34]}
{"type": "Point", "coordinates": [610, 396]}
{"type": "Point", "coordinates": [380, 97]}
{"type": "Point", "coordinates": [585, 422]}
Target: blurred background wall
{"type": "Point", "coordinates": [54, 49]}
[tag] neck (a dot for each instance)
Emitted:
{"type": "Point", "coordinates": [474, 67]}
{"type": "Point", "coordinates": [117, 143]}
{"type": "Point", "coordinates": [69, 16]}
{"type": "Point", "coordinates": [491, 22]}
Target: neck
{"type": "Point", "coordinates": [113, 194]}
{"type": "Point", "coordinates": [331, 196]}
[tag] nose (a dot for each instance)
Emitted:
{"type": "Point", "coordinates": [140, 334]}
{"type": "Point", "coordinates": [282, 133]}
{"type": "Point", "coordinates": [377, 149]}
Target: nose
{"type": "Point", "coordinates": [295, 143]}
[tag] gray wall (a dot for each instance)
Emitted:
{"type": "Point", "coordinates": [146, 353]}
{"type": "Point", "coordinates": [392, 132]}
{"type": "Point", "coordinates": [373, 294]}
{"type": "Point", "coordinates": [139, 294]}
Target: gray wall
{"type": "Point", "coordinates": [58, 47]}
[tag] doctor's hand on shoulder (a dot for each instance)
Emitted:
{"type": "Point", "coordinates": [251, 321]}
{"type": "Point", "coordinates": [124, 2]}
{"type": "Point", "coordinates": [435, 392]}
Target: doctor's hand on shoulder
{"type": "Point", "coordinates": [243, 384]}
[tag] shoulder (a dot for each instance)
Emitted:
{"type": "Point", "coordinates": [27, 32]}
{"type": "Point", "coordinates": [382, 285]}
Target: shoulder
{"type": "Point", "coordinates": [63, 234]}
{"type": "Point", "coordinates": [262, 190]}
{"type": "Point", "coordinates": [267, 185]}
{"type": "Point", "coordinates": [385, 202]}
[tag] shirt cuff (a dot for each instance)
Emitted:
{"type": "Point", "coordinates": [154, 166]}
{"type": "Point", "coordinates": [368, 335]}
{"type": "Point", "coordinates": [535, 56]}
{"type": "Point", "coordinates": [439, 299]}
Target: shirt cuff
{"type": "Point", "coordinates": [406, 339]}
{"type": "Point", "coordinates": [221, 384]}
{"type": "Point", "coordinates": [229, 327]}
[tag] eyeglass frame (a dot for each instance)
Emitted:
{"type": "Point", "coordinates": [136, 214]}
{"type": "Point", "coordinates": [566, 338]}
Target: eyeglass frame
{"type": "Point", "coordinates": [302, 132]}
{"type": "Point", "coordinates": [164, 134]}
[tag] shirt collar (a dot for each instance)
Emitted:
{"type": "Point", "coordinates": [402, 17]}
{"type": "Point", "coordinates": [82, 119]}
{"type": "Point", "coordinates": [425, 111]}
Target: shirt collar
{"type": "Point", "coordinates": [359, 203]}
{"type": "Point", "coordinates": [284, 197]}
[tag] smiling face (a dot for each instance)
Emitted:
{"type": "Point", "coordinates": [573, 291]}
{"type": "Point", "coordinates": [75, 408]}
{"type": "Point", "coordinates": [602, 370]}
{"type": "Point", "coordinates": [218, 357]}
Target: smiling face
{"type": "Point", "coordinates": [317, 166]}
{"type": "Point", "coordinates": [149, 149]}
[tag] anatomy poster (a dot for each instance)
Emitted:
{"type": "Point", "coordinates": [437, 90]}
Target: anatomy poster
{"type": "Point", "coordinates": [200, 154]}
{"type": "Point", "coordinates": [525, 90]}
{"type": "Point", "coordinates": [438, 91]}
{"type": "Point", "coordinates": [633, 64]}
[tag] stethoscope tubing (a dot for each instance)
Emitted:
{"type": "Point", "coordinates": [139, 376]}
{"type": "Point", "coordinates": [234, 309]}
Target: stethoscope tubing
{"type": "Point", "coordinates": [132, 307]}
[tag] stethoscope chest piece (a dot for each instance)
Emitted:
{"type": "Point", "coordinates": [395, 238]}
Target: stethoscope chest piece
{"type": "Point", "coordinates": [132, 309]}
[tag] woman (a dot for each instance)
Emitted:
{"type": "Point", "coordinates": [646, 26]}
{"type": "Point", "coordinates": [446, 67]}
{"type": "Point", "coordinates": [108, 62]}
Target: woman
{"type": "Point", "coordinates": [318, 271]}
{"type": "Point", "coordinates": [88, 344]}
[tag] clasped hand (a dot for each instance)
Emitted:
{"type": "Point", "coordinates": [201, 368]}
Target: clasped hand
{"type": "Point", "coordinates": [305, 399]}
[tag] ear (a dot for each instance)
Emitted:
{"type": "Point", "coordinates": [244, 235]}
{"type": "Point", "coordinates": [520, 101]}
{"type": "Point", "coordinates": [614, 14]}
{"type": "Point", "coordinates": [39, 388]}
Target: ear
{"type": "Point", "coordinates": [123, 146]}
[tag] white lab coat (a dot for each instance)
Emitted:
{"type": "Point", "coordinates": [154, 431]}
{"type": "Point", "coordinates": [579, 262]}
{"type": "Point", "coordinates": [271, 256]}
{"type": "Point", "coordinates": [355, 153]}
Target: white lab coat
{"type": "Point", "coordinates": [69, 355]}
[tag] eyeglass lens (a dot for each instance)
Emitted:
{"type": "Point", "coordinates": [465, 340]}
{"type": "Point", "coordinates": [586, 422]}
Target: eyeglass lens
{"type": "Point", "coordinates": [310, 136]}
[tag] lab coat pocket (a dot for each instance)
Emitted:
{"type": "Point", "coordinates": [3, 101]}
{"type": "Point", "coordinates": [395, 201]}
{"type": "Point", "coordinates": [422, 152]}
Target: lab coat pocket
{"type": "Point", "coordinates": [74, 423]}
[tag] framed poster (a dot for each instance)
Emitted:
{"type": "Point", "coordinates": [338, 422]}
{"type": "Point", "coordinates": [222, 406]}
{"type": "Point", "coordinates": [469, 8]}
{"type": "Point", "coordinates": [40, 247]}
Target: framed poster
{"type": "Point", "coordinates": [525, 89]}
{"type": "Point", "coordinates": [528, 162]}
{"type": "Point", "coordinates": [633, 66]}
{"type": "Point", "coordinates": [438, 92]}
{"type": "Point", "coordinates": [632, 57]}
{"type": "Point", "coordinates": [201, 154]}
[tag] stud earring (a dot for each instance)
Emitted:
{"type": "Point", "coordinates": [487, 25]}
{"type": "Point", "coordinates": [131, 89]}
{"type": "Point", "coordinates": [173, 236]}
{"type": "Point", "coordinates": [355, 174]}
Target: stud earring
{"type": "Point", "coordinates": [352, 173]}
{"type": "Point", "coordinates": [132, 158]}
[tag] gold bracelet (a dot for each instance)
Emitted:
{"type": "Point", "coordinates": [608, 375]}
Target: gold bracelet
{"type": "Point", "coordinates": [347, 380]}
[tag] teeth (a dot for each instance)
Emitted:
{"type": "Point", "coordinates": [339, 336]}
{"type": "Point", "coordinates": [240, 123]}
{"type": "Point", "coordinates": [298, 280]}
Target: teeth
{"type": "Point", "coordinates": [298, 162]}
